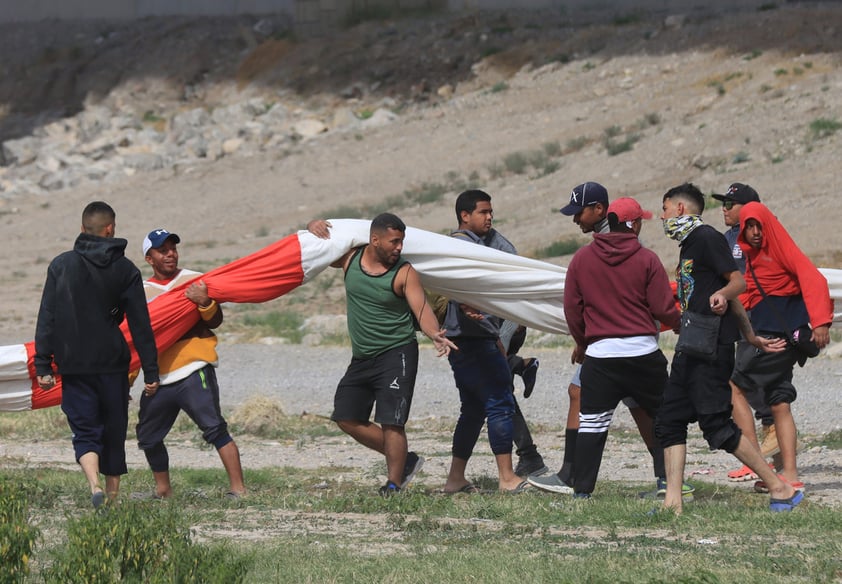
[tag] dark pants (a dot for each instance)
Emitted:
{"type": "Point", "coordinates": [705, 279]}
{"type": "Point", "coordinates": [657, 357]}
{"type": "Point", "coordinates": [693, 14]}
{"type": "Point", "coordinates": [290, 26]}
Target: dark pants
{"type": "Point", "coordinates": [198, 396]}
{"type": "Point", "coordinates": [698, 390]}
{"type": "Point", "coordinates": [97, 410]}
{"type": "Point", "coordinates": [605, 382]}
{"type": "Point", "coordinates": [485, 390]}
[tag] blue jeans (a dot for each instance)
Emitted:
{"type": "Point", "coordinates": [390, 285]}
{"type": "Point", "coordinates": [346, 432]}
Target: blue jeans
{"type": "Point", "coordinates": [484, 380]}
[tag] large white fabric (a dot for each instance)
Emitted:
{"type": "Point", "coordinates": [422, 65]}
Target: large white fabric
{"type": "Point", "coordinates": [526, 291]}
{"type": "Point", "coordinates": [520, 289]}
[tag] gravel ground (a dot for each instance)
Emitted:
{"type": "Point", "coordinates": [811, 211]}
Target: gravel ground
{"type": "Point", "coordinates": [304, 378]}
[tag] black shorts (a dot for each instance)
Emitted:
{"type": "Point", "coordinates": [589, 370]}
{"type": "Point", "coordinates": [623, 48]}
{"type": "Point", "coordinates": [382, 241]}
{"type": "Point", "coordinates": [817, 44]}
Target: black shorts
{"type": "Point", "coordinates": [387, 380]}
{"type": "Point", "coordinates": [698, 390]}
{"type": "Point", "coordinates": [770, 372]}
{"type": "Point", "coordinates": [607, 381]}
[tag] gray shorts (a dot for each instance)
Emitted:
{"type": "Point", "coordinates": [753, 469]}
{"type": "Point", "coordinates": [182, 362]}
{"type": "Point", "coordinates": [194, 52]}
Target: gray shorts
{"type": "Point", "coordinates": [771, 373]}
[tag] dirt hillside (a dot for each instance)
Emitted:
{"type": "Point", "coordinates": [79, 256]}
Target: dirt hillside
{"type": "Point", "coordinates": [523, 105]}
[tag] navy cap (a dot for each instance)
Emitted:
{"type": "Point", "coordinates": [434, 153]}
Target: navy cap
{"type": "Point", "coordinates": [584, 195]}
{"type": "Point", "coordinates": [156, 239]}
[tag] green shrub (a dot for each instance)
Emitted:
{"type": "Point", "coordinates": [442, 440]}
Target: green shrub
{"type": "Point", "coordinates": [552, 148]}
{"type": "Point", "coordinates": [16, 535]}
{"type": "Point", "coordinates": [279, 324]}
{"type": "Point", "coordinates": [139, 542]}
{"type": "Point", "coordinates": [823, 127]}
{"type": "Point", "coordinates": [576, 144]}
{"type": "Point", "coordinates": [516, 162]}
{"type": "Point", "coordinates": [615, 147]}
{"type": "Point", "coordinates": [559, 248]}
{"type": "Point", "coordinates": [499, 86]}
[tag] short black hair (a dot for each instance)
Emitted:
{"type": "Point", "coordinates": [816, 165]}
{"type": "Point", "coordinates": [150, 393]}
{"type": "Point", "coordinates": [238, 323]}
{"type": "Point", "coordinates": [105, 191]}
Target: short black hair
{"type": "Point", "coordinates": [467, 201]}
{"type": "Point", "coordinates": [690, 193]}
{"type": "Point", "coordinates": [617, 226]}
{"type": "Point", "coordinates": [97, 216]}
{"type": "Point", "coordinates": [386, 221]}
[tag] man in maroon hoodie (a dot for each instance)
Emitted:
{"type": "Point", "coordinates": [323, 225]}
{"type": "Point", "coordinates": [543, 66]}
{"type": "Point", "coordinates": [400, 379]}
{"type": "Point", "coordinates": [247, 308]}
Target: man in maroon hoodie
{"type": "Point", "coordinates": [614, 291]}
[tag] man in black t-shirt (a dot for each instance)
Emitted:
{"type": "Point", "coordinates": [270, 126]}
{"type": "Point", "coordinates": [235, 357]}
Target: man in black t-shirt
{"type": "Point", "coordinates": [698, 390]}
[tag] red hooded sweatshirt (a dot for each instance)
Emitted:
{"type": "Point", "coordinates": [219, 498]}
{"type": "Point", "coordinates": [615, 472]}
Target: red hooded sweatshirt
{"type": "Point", "coordinates": [782, 268]}
{"type": "Point", "coordinates": [616, 288]}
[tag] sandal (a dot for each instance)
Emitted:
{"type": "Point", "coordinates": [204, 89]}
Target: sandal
{"type": "Point", "coordinates": [762, 487]}
{"type": "Point", "coordinates": [783, 505]}
{"type": "Point", "coordinates": [742, 475]}
{"type": "Point", "coordinates": [469, 489]}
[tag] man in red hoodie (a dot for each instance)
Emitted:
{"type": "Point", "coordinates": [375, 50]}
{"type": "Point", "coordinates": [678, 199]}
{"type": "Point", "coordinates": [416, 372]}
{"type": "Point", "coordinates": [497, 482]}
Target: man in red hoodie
{"type": "Point", "coordinates": [788, 298]}
{"type": "Point", "coordinates": [614, 291]}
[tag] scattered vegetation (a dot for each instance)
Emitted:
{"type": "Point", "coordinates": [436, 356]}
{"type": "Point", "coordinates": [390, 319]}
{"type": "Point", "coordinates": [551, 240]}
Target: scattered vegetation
{"type": "Point", "coordinates": [576, 144]}
{"type": "Point", "coordinates": [499, 86]}
{"type": "Point", "coordinates": [318, 526]}
{"type": "Point", "coordinates": [559, 248]}
{"type": "Point", "coordinates": [824, 127]}
{"type": "Point", "coordinates": [740, 157]}
{"type": "Point", "coordinates": [140, 542]}
{"type": "Point", "coordinates": [286, 324]}
{"type": "Point", "coordinates": [17, 535]}
{"type": "Point", "coordinates": [613, 146]}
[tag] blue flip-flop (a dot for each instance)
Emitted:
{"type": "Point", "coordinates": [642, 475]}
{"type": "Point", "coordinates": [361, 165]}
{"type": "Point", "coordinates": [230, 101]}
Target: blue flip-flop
{"type": "Point", "coordinates": [97, 499]}
{"type": "Point", "coordinates": [784, 505]}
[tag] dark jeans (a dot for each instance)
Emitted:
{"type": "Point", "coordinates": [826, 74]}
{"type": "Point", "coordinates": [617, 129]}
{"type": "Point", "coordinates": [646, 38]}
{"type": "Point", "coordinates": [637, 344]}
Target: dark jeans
{"type": "Point", "coordinates": [485, 390]}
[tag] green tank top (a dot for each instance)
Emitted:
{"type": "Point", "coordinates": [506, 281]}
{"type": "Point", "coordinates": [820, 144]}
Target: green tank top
{"type": "Point", "coordinates": [378, 319]}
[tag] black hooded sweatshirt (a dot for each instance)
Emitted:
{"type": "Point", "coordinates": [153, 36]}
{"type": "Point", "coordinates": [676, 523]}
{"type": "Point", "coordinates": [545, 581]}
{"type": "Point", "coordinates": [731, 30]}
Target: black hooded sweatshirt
{"type": "Point", "coordinates": [87, 293]}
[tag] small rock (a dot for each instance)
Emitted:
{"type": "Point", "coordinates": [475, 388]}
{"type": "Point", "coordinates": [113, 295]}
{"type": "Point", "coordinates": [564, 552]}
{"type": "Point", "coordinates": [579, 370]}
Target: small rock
{"type": "Point", "coordinates": [308, 128]}
{"type": "Point", "coordinates": [231, 145]}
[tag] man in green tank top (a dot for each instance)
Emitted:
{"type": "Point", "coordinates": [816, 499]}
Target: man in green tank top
{"type": "Point", "coordinates": [383, 293]}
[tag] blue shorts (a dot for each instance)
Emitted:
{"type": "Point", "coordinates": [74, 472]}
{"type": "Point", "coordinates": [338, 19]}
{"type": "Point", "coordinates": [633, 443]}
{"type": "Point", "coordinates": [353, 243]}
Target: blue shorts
{"type": "Point", "coordinates": [97, 410]}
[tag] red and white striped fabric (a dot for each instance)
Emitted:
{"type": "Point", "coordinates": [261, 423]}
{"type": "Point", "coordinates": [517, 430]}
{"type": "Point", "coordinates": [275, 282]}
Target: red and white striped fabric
{"type": "Point", "coordinates": [520, 289]}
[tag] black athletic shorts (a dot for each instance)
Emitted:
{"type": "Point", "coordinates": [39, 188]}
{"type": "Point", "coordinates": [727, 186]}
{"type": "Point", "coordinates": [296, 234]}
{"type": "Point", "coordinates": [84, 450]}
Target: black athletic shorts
{"type": "Point", "coordinates": [387, 380]}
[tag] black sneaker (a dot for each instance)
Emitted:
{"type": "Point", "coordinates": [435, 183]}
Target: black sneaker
{"type": "Point", "coordinates": [411, 467]}
{"type": "Point", "coordinates": [389, 489]}
{"type": "Point", "coordinates": [528, 375]}
{"type": "Point", "coordinates": [531, 467]}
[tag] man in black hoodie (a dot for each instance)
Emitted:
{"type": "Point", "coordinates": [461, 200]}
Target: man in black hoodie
{"type": "Point", "coordinates": [87, 293]}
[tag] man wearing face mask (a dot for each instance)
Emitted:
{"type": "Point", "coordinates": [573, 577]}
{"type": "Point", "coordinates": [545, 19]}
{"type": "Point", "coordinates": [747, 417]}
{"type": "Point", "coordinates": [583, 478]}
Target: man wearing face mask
{"type": "Point", "coordinates": [698, 389]}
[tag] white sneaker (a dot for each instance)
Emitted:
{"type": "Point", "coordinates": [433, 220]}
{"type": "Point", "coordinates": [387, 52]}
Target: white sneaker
{"type": "Point", "coordinates": [552, 483]}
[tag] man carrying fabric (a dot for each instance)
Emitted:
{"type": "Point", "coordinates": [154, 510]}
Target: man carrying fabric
{"type": "Point", "coordinates": [698, 389]}
{"type": "Point", "coordinates": [478, 229]}
{"type": "Point", "coordinates": [383, 292]}
{"type": "Point", "coordinates": [480, 370]}
{"type": "Point", "coordinates": [188, 377]}
{"type": "Point", "coordinates": [789, 299]}
{"type": "Point", "coordinates": [87, 293]}
{"type": "Point", "coordinates": [614, 292]}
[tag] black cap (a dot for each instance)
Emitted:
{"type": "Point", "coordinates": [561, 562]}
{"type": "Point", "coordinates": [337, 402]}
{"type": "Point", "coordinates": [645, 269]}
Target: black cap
{"type": "Point", "coordinates": [739, 193]}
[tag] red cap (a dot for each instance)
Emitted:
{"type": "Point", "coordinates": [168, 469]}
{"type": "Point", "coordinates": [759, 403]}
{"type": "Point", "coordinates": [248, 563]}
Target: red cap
{"type": "Point", "coordinates": [627, 209]}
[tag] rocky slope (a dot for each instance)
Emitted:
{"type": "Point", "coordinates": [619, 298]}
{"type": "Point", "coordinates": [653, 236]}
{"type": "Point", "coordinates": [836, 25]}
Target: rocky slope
{"type": "Point", "coordinates": [233, 133]}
